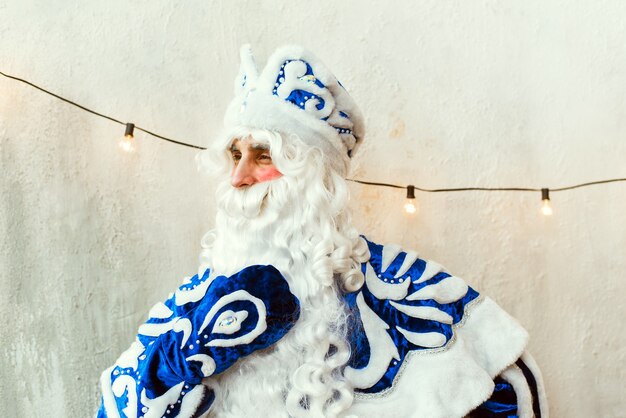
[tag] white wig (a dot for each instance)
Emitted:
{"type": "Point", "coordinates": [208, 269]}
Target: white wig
{"type": "Point", "coordinates": [302, 219]}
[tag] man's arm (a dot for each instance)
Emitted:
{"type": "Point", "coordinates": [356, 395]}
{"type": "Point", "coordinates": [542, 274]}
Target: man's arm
{"type": "Point", "coordinates": [204, 328]}
{"type": "Point", "coordinates": [427, 344]}
{"type": "Point", "coordinates": [518, 392]}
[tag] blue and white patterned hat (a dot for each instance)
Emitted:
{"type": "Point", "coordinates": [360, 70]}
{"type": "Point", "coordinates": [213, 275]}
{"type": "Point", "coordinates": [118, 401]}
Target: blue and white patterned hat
{"type": "Point", "coordinates": [296, 93]}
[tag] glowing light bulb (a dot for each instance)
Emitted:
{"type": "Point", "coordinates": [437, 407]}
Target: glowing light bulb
{"type": "Point", "coordinates": [410, 206]}
{"type": "Point", "coordinates": [546, 207]}
{"type": "Point", "coordinates": [127, 143]}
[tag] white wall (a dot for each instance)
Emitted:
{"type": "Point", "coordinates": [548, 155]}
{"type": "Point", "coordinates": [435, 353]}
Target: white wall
{"type": "Point", "coordinates": [456, 93]}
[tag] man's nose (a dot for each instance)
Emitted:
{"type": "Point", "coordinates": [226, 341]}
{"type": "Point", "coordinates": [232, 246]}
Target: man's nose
{"type": "Point", "coordinates": [243, 174]}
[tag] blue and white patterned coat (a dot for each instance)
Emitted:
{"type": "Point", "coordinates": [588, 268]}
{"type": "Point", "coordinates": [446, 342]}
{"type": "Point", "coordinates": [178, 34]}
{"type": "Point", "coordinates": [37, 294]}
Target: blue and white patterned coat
{"type": "Point", "coordinates": [424, 344]}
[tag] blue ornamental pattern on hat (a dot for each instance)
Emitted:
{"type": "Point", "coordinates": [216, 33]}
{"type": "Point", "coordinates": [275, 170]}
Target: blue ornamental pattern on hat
{"type": "Point", "coordinates": [293, 71]}
{"type": "Point", "coordinates": [296, 94]}
{"type": "Point", "coordinates": [309, 94]}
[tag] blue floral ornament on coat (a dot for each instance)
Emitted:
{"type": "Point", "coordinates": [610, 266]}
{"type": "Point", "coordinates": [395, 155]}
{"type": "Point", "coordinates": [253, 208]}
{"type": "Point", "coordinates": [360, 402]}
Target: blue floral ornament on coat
{"type": "Point", "coordinates": [406, 305]}
{"type": "Point", "coordinates": [422, 345]}
{"type": "Point", "coordinates": [200, 331]}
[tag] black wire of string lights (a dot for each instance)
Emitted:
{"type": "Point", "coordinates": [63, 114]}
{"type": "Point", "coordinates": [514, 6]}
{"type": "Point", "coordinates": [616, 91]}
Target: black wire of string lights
{"type": "Point", "coordinates": [410, 205]}
{"type": "Point", "coordinates": [488, 189]}
{"type": "Point", "coordinates": [130, 127]}
{"type": "Point", "coordinates": [546, 208]}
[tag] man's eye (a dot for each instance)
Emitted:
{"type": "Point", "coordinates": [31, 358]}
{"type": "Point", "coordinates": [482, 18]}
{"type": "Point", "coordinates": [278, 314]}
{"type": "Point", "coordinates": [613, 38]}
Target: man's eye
{"type": "Point", "coordinates": [236, 156]}
{"type": "Point", "coordinates": [265, 158]}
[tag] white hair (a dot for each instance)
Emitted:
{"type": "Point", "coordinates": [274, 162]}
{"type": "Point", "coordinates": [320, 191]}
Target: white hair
{"type": "Point", "coordinates": [299, 223]}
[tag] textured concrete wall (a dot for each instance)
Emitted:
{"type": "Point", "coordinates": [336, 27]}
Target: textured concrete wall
{"type": "Point", "coordinates": [456, 93]}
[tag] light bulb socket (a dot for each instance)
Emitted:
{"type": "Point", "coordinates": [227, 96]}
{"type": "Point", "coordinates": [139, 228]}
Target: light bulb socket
{"type": "Point", "coordinates": [410, 192]}
{"type": "Point", "coordinates": [130, 129]}
{"type": "Point", "coordinates": [545, 194]}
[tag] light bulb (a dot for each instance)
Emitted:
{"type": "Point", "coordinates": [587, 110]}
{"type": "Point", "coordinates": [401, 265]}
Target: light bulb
{"type": "Point", "coordinates": [546, 207]}
{"type": "Point", "coordinates": [127, 143]}
{"type": "Point", "coordinates": [410, 206]}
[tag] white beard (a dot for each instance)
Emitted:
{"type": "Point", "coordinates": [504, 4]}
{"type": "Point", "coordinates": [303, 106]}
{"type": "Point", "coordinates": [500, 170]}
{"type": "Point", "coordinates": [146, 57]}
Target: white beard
{"type": "Point", "coordinates": [247, 222]}
{"type": "Point", "coordinates": [263, 225]}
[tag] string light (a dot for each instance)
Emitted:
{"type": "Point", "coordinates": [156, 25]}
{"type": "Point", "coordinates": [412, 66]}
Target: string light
{"type": "Point", "coordinates": [410, 206]}
{"type": "Point", "coordinates": [127, 143]}
{"type": "Point", "coordinates": [93, 112]}
{"type": "Point", "coordinates": [546, 207]}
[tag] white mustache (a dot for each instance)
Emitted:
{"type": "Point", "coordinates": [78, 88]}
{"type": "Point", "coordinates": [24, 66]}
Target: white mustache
{"type": "Point", "coordinates": [245, 201]}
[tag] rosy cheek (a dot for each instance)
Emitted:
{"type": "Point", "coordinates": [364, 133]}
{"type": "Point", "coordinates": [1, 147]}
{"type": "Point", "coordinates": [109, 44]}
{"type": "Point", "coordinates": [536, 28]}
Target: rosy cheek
{"type": "Point", "coordinates": [269, 173]}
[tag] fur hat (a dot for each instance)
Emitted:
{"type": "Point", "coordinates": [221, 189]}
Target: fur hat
{"type": "Point", "coordinates": [296, 93]}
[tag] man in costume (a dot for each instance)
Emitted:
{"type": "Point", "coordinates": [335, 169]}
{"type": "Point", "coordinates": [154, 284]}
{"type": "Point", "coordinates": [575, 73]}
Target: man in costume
{"type": "Point", "coordinates": [293, 313]}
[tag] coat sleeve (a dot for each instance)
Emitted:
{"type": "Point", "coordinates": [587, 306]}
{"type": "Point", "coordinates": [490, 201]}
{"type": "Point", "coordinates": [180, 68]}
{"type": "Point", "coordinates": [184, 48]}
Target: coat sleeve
{"type": "Point", "coordinates": [200, 331]}
{"type": "Point", "coordinates": [425, 344]}
{"type": "Point", "coordinates": [519, 392]}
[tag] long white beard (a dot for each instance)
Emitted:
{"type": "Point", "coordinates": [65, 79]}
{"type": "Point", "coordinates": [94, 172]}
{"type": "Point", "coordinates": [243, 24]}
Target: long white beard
{"type": "Point", "coordinates": [247, 223]}
{"type": "Point", "coordinates": [264, 224]}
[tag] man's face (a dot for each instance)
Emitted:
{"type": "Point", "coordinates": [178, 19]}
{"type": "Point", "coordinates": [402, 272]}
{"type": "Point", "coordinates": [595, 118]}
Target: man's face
{"type": "Point", "coordinates": [252, 163]}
